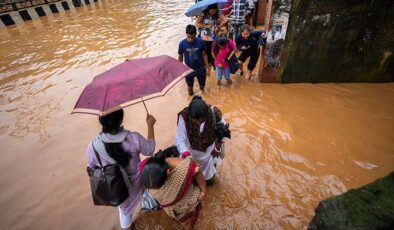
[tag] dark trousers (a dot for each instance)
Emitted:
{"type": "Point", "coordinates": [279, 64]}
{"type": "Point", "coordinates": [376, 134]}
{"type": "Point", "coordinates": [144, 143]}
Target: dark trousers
{"type": "Point", "coordinates": [200, 74]}
{"type": "Point", "coordinates": [208, 44]}
{"type": "Point", "coordinates": [254, 54]}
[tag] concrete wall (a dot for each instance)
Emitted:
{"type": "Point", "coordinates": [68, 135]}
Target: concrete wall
{"type": "Point", "coordinates": [340, 41]}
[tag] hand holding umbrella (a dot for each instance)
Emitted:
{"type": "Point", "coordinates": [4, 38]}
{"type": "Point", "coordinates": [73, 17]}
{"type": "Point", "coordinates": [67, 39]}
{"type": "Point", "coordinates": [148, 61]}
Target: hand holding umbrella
{"type": "Point", "coordinates": [150, 121]}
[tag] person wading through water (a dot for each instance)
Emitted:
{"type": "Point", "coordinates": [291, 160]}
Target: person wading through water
{"type": "Point", "coordinates": [177, 185]}
{"type": "Point", "coordinates": [193, 51]}
{"type": "Point", "coordinates": [196, 136]}
{"type": "Point", "coordinates": [124, 147]}
{"type": "Point", "coordinates": [209, 24]}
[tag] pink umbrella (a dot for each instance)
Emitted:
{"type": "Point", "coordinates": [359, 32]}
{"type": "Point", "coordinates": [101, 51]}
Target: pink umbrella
{"type": "Point", "coordinates": [129, 83]}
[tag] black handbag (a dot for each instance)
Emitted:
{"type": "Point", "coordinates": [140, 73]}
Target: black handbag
{"type": "Point", "coordinates": [107, 184]}
{"type": "Point", "coordinates": [233, 62]}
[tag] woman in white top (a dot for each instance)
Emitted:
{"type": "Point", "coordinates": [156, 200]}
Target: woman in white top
{"type": "Point", "coordinates": [196, 136]}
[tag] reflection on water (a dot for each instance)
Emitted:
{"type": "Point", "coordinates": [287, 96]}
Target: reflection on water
{"type": "Point", "coordinates": [292, 145]}
{"type": "Point", "coordinates": [67, 50]}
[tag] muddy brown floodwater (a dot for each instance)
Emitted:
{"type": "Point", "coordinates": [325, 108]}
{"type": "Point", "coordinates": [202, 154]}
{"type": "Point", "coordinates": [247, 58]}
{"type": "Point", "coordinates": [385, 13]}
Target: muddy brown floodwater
{"type": "Point", "coordinates": [292, 145]}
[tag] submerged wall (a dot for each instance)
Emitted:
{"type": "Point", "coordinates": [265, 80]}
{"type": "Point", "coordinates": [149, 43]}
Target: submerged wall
{"type": "Point", "coordinates": [339, 41]}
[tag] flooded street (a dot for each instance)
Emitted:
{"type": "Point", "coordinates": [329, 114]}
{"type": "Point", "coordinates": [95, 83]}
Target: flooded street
{"type": "Point", "coordinates": [292, 145]}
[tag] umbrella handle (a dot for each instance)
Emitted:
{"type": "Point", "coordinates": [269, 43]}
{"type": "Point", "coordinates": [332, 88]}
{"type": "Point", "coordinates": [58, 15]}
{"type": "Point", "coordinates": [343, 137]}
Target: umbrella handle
{"type": "Point", "coordinates": [145, 106]}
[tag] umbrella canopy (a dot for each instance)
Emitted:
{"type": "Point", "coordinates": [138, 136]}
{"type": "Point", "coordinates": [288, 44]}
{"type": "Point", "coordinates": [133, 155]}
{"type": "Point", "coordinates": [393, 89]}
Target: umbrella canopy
{"type": "Point", "coordinates": [199, 7]}
{"type": "Point", "coordinates": [129, 83]}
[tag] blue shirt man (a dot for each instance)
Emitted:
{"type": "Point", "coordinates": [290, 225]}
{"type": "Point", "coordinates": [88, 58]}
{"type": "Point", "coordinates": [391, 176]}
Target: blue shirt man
{"type": "Point", "coordinates": [192, 50]}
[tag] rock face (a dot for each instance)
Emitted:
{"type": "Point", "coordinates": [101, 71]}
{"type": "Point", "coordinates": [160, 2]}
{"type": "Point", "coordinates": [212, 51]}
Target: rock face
{"type": "Point", "coordinates": [368, 207]}
{"type": "Point", "coordinates": [339, 41]}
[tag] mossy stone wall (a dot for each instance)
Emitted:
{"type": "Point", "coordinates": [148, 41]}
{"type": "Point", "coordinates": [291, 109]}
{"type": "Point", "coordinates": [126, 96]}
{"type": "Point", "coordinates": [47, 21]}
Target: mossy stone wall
{"type": "Point", "coordinates": [368, 207]}
{"type": "Point", "coordinates": [339, 41]}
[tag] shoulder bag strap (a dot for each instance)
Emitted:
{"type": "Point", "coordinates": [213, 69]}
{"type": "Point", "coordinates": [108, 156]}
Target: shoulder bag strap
{"type": "Point", "coordinates": [214, 115]}
{"type": "Point", "coordinates": [230, 48]}
{"type": "Point", "coordinates": [97, 155]}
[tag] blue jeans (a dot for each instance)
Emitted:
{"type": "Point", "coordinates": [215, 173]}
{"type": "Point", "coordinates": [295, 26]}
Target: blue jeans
{"type": "Point", "coordinates": [225, 72]}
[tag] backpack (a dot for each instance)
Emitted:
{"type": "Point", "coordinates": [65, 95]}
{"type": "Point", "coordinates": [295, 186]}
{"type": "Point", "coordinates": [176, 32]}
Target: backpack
{"type": "Point", "coordinates": [109, 184]}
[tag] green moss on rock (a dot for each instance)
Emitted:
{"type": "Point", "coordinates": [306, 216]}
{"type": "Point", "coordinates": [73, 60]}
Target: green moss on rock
{"type": "Point", "coordinates": [369, 207]}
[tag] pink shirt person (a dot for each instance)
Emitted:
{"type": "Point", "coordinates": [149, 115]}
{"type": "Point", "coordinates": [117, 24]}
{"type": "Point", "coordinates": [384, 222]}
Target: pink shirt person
{"type": "Point", "coordinates": [223, 53]}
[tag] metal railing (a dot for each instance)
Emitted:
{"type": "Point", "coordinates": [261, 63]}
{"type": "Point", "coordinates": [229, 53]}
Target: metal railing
{"type": "Point", "coordinates": [15, 5]}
